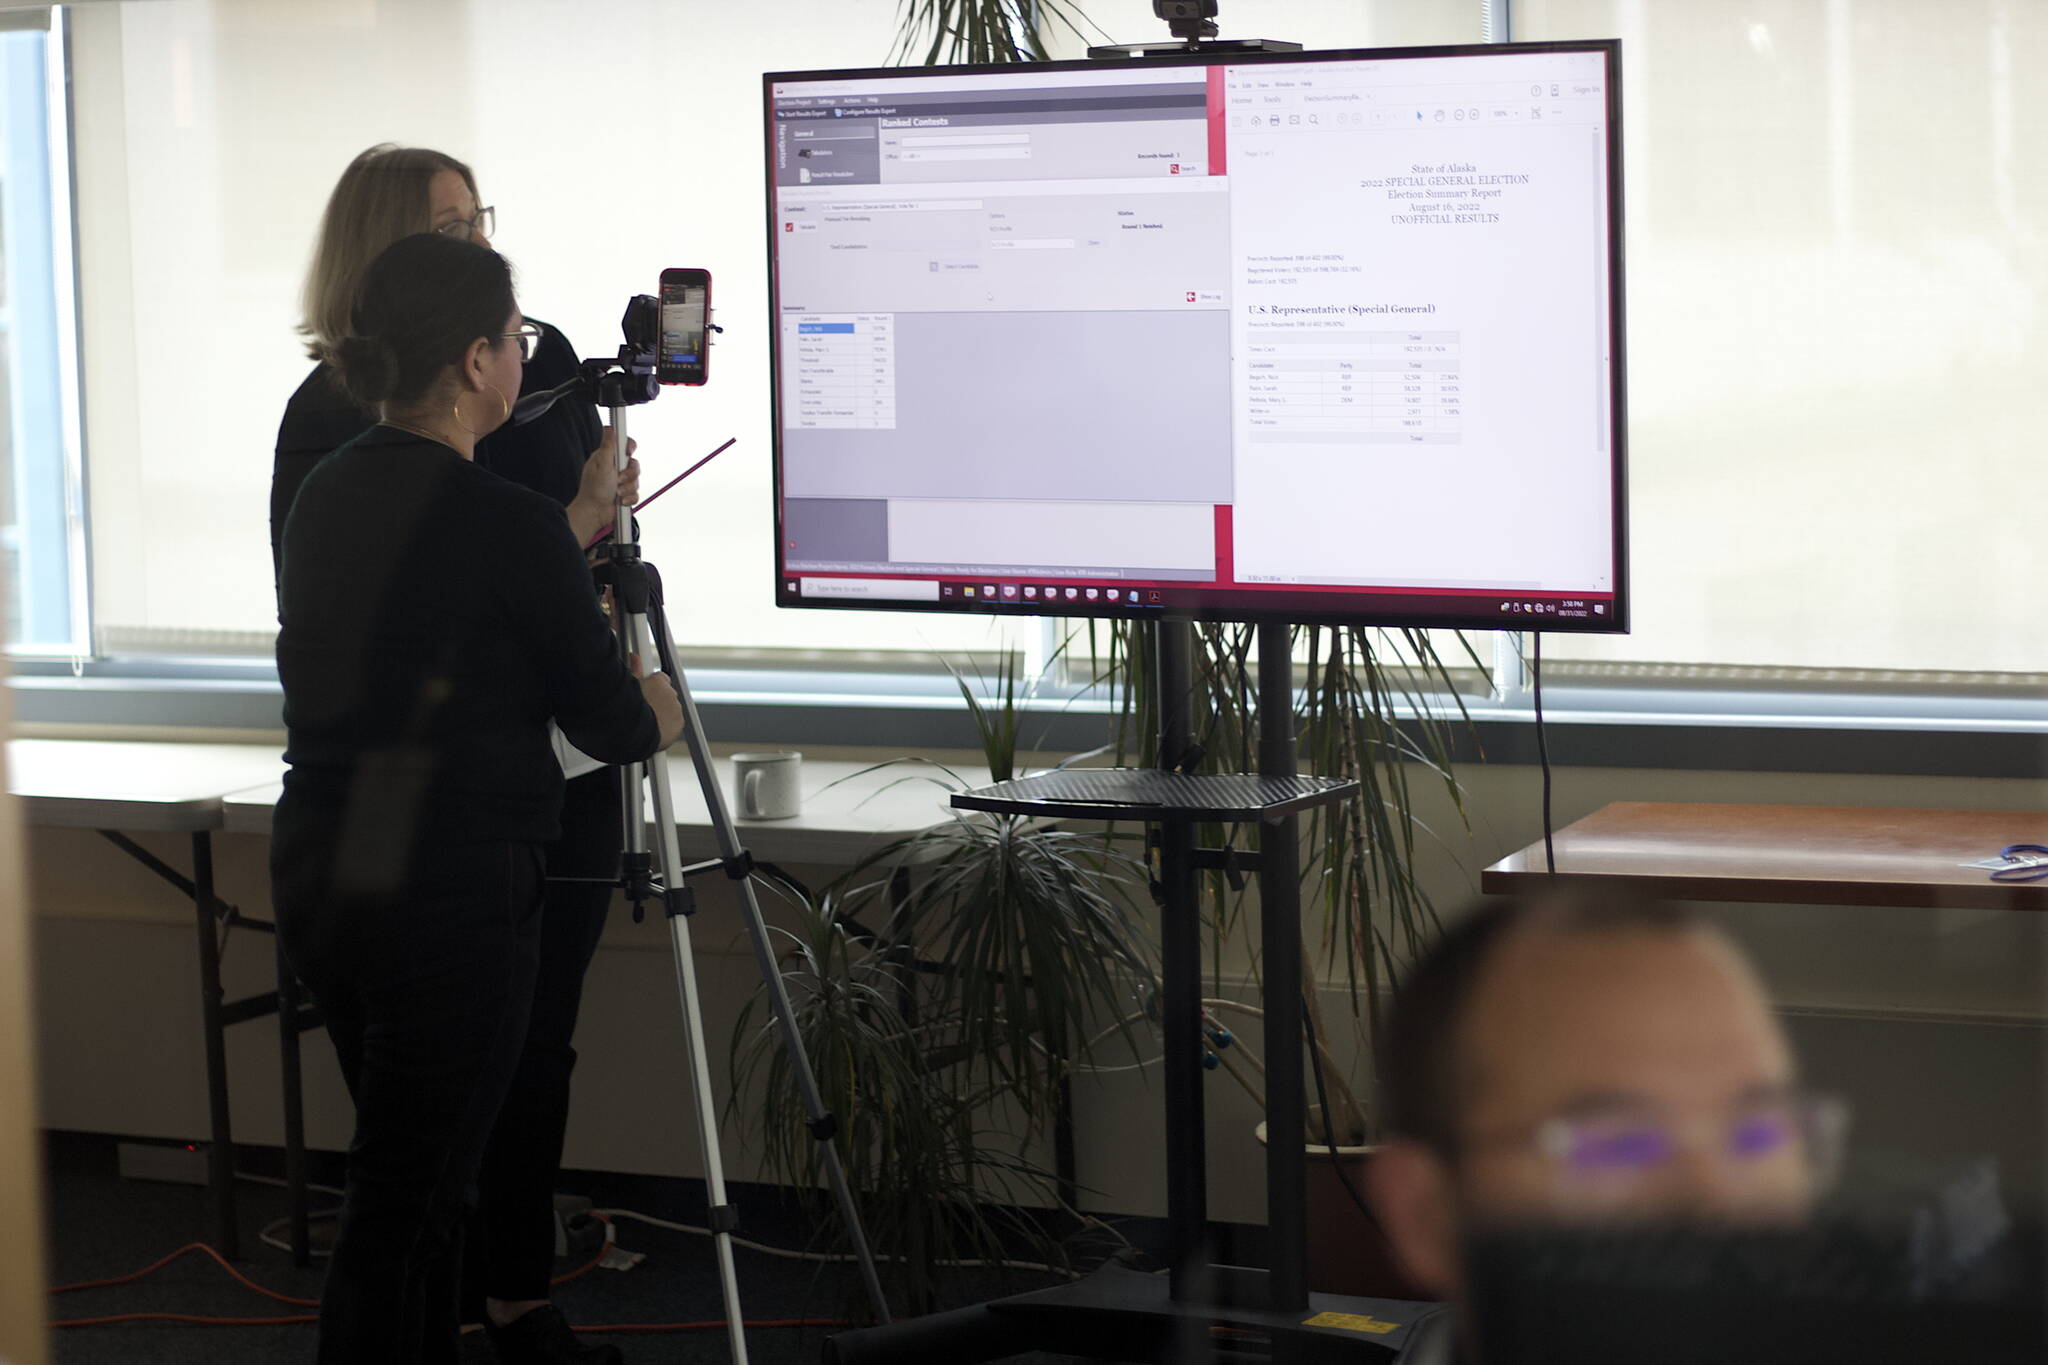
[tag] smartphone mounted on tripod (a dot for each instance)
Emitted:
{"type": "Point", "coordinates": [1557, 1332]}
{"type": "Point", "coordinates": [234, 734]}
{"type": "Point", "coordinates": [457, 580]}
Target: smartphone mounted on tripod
{"type": "Point", "coordinates": [685, 327]}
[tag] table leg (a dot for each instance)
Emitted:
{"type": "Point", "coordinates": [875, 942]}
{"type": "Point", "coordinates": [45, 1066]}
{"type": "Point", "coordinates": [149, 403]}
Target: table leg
{"type": "Point", "coordinates": [288, 1011]}
{"type": "Point", "coordinates": [221, 1154]}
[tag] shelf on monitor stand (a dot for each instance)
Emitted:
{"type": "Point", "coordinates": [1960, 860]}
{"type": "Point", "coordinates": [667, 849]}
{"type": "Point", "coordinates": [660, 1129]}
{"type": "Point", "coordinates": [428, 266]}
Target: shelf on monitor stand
{"type": "Point", "coordinates": [1155, 794]}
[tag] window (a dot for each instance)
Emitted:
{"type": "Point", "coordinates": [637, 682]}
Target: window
{"type": "Point", "coordinates": [1838, 329]}
{"type": "Point", "coordinates": [40, 529]}
{"type": "Point", "coordinates": [1836, 297]}
{"type": "Point", "coordinates": [204, 161]}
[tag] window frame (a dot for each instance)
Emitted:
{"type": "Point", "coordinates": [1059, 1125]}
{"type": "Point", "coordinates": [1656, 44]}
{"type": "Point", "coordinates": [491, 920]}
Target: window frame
{"type": "Point", "coordinates": [1990, 726]}
{"type": "Point", "coordinates": [50, 482]}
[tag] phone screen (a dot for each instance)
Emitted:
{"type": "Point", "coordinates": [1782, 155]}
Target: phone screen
{"type": "Point", "coordinates": [685, 313]}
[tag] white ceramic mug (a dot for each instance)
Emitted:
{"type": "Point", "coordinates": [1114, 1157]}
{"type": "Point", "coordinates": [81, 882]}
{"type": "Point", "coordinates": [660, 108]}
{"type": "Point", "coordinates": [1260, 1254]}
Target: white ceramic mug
{"type": "Point", "coordinates": [768, 785]}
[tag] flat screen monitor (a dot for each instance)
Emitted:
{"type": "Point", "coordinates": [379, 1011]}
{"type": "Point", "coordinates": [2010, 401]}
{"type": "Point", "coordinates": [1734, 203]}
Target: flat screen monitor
{"type": "Point", "coordinates": [1325, 336]}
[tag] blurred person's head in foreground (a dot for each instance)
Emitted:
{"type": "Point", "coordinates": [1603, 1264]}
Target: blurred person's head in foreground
{"type": "Point", "coordinates": [1583, 1057]}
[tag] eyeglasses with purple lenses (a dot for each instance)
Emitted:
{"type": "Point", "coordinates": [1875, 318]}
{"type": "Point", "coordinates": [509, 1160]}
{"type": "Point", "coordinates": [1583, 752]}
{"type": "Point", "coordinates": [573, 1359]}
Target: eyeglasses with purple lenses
{"type": "Point", "coordinates": [1619, 1147]}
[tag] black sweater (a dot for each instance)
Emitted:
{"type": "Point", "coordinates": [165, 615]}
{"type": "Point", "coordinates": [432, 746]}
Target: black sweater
{"type": "Point", "coordinates": [433, 617]}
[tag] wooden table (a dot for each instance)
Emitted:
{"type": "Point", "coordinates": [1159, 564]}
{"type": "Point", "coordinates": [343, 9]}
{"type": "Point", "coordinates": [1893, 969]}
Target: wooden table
{"type": "Point", "coordinates": [1821, 855]}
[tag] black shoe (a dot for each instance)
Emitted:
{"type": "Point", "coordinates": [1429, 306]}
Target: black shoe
{"type": "Point", "coordinates": [473, 1348]}
{"type": "Point", "coordinates": [542, 1336]}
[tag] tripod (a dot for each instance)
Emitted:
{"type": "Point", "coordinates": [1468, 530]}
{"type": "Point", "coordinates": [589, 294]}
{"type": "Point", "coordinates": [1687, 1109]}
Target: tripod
{"type": "Point", "coordinates": [658, 873]}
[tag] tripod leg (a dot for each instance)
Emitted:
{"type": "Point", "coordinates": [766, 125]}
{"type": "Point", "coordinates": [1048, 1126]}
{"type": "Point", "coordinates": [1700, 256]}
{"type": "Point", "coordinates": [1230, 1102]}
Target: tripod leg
{"type": "Point", "coordinates": [636, 864]}
{"type": "Point", "coordinates": [674, 898]}
{"type": "Point", "coordinates": [644, 630]}
{"type": "Point", "coordinates": [822, 1123]}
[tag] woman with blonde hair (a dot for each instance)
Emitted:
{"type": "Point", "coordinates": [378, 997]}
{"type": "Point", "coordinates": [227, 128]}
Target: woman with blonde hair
{"type": "Point", "coordinates": [386, 194]}
{"type": "Point", "coordinates": [389, 192]}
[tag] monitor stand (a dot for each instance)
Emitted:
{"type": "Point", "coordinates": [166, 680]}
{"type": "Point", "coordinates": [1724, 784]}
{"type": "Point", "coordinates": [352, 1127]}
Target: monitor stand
{"type": "Point", "coordinates": [1196, 1307]}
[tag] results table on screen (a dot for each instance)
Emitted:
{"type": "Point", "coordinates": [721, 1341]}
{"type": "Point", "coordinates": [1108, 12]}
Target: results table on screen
{"type": "Point", "coordinates": [1372, 387]}
{"type": "Point", "coordinates": [845, 370]}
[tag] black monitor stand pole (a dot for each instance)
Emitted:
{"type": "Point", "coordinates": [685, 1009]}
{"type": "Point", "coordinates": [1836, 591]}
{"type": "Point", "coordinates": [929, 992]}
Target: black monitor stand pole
{"type": "Point", "coordinates": [1280, 931]}
{"type": "Point", "coordinates": [1284, 1283]}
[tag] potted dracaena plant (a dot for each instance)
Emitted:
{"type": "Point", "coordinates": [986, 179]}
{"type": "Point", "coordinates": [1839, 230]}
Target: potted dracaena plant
{"type": "Point", "coordinates": [932, 32]}
{"type": "Point", "coordinates": [948, 986]}
{"type": "Point", "coordinates": [945, 987]}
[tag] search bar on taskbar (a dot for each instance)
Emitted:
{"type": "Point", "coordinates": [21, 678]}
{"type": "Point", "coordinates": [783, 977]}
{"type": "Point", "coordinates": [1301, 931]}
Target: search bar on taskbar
{"type": "Point", "coordinates": [872, 589]}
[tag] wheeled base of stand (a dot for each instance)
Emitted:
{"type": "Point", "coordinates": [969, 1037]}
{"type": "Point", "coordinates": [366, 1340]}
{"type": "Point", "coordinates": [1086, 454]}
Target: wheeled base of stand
{"type": "Point", "coordinates": [1123, 1314]}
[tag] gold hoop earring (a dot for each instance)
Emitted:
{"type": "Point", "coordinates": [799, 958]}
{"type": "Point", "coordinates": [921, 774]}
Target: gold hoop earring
{"type": "Point", "coordinates": [504, 412]}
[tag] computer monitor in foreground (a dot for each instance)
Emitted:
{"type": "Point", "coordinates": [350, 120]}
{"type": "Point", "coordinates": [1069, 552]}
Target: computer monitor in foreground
{"type": "Point", "coordinates": [1840, 1290]}
{"type": "Point", "coordinates": [1319, 336]}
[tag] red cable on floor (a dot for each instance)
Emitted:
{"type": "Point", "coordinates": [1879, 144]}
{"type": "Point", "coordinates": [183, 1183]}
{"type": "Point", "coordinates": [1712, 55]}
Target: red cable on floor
{"type": "Point", "coordinates": [303, 1319]}
{"type": "Point", "coordinates": [602, 1251]}
{"type": "Point", "coordinates": [189, 1246]}
{"type": "Point", "coordinates": [193, 1320]}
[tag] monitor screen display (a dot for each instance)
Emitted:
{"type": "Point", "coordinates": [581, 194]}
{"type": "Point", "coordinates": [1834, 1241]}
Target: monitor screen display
{"type": "Point", "coordinates": [1330, 336]}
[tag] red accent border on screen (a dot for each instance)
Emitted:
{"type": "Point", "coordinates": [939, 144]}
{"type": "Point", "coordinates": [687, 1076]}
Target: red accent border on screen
{"type": "Point", "coordinates": [1217, 162]}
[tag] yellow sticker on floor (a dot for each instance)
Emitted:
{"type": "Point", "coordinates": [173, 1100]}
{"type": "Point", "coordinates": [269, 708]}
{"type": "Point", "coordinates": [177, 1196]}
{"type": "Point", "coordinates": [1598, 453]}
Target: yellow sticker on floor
{"type": "Point", "coordinates": [1351, 1322]}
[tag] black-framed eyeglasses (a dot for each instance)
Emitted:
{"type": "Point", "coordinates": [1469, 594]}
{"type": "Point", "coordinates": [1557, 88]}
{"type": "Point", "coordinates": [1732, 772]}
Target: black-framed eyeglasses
{"type": "Point", "coordinates": [529, 335]}
{"type": "Point", "coordinates": [485, 224]}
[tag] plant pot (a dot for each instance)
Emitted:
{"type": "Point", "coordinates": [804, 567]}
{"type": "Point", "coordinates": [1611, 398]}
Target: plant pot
{"type": "Point", "coordinates": [1347, 1252]}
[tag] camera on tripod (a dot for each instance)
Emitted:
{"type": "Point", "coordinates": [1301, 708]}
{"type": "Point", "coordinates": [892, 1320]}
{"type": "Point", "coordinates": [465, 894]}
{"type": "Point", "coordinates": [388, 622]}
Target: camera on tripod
{"type": "Point", "coordinates": [642, 328]}
{"type": "Point", "coordinates": [630, 379]}
{"type": "Point", "coordinates": [667, 341]}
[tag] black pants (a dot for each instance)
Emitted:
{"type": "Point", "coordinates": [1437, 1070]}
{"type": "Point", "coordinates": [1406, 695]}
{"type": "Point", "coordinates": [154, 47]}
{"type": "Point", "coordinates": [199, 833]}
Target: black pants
{"type": "Point", "coordinates": [426, 985]}
{"type": "Point", "coordinates": [511, 1243]}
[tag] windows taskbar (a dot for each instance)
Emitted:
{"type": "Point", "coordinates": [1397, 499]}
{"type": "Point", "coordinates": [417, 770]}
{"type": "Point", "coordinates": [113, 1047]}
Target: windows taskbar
{"type": "Point", "coordinates": [1475, 608]}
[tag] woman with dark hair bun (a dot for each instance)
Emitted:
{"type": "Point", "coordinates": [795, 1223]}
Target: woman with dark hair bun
{"type": "Point", "coordinates": [434, 618]}
{"type": "Point", "coordinates": [386, 193]}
